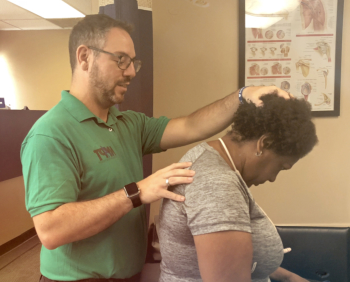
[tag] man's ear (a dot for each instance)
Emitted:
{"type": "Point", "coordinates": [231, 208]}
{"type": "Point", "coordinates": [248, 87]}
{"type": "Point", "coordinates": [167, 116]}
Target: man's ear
{"type": "Point", "coordinates": [83, 56]}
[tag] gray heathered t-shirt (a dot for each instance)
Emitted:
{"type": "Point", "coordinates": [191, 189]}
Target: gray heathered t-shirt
{"type": "Point", "coordinates": [217, 200]}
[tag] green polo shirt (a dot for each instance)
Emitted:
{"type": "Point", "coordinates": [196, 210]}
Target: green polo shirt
{"type": "Point", "coordinates": [70, 155]}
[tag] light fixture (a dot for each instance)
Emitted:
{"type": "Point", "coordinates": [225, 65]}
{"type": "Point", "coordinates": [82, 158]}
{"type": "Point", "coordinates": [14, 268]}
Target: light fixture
{"type": "Point", "coordinates": [49, 9]}
{"type": "Point", "coordinates": [264, 13]}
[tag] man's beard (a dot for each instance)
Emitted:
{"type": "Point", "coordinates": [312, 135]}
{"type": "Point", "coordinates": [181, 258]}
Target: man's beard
{"type": "Point", "coordinates": [105, 96]}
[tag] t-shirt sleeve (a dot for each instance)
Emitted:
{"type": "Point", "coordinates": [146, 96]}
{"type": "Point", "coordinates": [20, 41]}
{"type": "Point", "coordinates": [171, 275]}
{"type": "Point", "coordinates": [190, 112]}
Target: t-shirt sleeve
{"type": "Point", "coordinates": [50, 172]}
{"type": "Point", "coordinates": [215, 201]}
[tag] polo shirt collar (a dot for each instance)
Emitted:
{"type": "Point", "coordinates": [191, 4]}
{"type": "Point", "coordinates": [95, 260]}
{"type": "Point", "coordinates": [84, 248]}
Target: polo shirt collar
{"type": "Point", "coordinates": [80, 112]}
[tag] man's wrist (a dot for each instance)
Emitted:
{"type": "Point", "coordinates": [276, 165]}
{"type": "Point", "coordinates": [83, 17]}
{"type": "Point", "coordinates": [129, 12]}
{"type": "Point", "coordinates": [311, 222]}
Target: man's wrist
{"type": "Point", "coordinates": [132, 191]}
{"type": "Point", "coordinates": [240, 95]}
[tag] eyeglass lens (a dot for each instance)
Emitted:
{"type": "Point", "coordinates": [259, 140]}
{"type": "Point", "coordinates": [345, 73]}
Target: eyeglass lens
{"type": "Point", "coordinates": [125, 61]}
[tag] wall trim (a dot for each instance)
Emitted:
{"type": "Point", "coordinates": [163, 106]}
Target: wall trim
{"type": "Point", "coordinates": [15, 253]}
{"type": "Point", "coordinates": [145, 8]}
{"type": "Point", "coordinates": [12, 244]}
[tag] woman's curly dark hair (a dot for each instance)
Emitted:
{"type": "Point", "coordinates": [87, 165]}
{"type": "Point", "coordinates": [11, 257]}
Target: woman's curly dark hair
{"type": "Point", "coordinates": [286, 123]}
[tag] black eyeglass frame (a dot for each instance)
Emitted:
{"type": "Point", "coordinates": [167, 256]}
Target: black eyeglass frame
{"type": "Point", "coordinates": [137, 66]}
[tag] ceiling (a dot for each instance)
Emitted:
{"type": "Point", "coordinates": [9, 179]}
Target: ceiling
{"type": "Point", "coordinates": [13, 17]}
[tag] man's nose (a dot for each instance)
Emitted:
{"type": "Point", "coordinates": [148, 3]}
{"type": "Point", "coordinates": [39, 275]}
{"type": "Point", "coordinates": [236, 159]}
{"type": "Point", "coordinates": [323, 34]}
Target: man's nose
{"type": "Point", "coordinates": [130, 71]}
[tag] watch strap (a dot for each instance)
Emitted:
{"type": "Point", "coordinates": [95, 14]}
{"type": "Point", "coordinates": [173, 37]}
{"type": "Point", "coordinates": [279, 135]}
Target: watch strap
{"type": "Point", "coordinates": [133, 193]}
{"type": "Point", "coordinates": [240, 95]}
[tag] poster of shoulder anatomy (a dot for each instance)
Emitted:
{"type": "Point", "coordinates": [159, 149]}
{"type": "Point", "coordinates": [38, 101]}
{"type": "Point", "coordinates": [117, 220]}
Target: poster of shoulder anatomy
{"type": "Point", "coordinates": [296, 53]}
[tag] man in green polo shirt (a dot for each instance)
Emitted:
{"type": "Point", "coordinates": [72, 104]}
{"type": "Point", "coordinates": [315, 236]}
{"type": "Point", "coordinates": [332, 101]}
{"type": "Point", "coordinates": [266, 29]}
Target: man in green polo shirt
{"type": "Point", "coordinates": [82, 161]}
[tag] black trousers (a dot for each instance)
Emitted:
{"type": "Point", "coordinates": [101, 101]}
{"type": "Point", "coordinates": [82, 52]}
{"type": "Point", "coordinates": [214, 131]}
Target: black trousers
{"type": "Point", "coordinates": [135, 278]}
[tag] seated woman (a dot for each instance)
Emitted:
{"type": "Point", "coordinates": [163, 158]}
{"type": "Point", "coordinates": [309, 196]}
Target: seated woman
{"type": "Point", "coordinates": [219, 233]}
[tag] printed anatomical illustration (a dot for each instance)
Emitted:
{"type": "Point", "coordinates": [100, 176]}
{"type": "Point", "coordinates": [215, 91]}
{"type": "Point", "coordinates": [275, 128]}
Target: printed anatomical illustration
{"type": "Point", "coordinates": [304, 65]}
{"type": "Point", "coordinates": [280, 34]}
{"type": "Point", "coordinates": [325, 74]}
{"type": "Point", "coordinates": [323, 48]}
{"type": "Point", "coordinates": [269, 34]}
{"type": "Point", "coordinates": [264, 71]}
{"type": "Point", "coordinates": [254, 69]}
{"type": "Point", "coordinates": [286, 70]}
{"type": "Point", "coordinates": [284, 49]}
{"type": "Point", "coordinates": [263, 50]}
{"type": "Point", "coordinates": [276, 68]}
{"type": "Point", "coordinates": [313, 11]}
{"type": "Point", "coordinates": [285, 85]}
{"type": "Point", "coordinates": [253, 49]}
{"type": "Point", "coordinates": [273, 49]}
{"type": "Point", "coordinates": [257, 33]}
{"type": "Point", "coordinates": [326, 100]}
{"type": "Point", "coordinates": [306, 90]}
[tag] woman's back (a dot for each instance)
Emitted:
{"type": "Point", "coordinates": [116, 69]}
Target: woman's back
{"type": "Point", "coordinates": [217, 200]}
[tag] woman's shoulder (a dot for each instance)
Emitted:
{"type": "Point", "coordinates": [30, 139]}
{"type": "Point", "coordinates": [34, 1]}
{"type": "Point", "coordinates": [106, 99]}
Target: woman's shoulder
{"type": "Point", "coordinates": [208, 163]}
{"type": "Point", "coordinates": [204, 154]}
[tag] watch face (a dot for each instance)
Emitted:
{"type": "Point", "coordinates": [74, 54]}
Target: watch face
{"type": "Point", "coordinates": [132, 189]}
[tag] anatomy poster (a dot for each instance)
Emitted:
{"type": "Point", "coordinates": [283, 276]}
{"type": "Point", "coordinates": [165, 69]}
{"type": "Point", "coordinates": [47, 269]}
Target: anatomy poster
{"type": "Point", "coordinates": [297, 53]}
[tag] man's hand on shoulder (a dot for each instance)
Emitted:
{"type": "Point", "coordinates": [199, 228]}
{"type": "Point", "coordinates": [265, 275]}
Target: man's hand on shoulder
{"type": "Point", "coordinates": [155, 186]}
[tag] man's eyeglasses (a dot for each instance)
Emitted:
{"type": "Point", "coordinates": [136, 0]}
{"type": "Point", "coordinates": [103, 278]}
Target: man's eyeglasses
{"type": "Point", "coordinates": [123, 60]}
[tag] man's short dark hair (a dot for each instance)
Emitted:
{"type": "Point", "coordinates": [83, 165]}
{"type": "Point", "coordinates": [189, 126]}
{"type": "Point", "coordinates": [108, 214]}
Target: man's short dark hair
{"type": "Point", "coordinates": [91, 31]}
{"type": "Point", "coordinates": [286, 123]}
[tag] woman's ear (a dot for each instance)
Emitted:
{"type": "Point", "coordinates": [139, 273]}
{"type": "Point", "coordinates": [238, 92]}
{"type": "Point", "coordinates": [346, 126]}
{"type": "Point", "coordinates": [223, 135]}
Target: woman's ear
{"type": "Point", "coordinates": [263, 143]}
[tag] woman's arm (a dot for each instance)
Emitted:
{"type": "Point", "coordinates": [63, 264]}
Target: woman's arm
{"type": "Point", "coordinates": [284, 275]}
{"type": "Point", "coordinates": [225, 256]}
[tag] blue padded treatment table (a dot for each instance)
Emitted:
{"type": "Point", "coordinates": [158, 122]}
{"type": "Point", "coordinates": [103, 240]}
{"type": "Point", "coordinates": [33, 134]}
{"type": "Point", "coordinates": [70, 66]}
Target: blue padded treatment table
{"type": "Point", "coordinates": [318, 253]}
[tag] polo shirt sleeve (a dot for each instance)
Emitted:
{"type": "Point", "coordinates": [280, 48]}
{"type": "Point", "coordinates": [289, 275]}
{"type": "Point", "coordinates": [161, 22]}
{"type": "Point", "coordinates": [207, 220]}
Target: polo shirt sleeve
{"type": "Point", "coordinates": [214, 201]}
{"type": "Point", "coordinates": [50, 172]}
{"type": "Point", "coordinates": [151, 130]}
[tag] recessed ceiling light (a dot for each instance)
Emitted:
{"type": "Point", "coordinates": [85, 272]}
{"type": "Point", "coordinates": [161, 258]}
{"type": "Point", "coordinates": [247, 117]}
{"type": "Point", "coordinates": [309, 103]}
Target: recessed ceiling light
{"type": "Point", "coordinates": [49, 9]}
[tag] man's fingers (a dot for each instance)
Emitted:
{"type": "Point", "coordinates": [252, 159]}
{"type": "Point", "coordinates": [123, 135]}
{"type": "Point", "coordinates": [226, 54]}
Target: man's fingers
{"type": "Point", "coordinates": [178, 173]}
{"type": "Point", "coordinates": [173, 196]}
{"type": "Point", "coordinates": [179, 165]}
{"type": "Point", "coordinates": [176, 166]}
{"type": "Point", "coordinates": [283, 94]}
{"type": "Point", "coordinates": [180, 180]}
{"type": "Point", "coordinates": [254, 93]}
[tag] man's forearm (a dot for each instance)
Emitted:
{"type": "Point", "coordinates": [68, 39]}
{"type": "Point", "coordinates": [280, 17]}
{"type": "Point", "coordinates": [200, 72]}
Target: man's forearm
{"type": "Point", "coordinates": [201, 124]}
{"type": "Point", "coordinates": [213, 118]}
{"type": "Point", "coordinates": [79, 220]}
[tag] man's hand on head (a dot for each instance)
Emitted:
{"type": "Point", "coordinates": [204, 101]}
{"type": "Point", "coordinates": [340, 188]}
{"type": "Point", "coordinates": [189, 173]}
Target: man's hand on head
{"type": "Point", "coordinates": [155, 186]}
{"type": "Point", "coordinates": [254, 93]}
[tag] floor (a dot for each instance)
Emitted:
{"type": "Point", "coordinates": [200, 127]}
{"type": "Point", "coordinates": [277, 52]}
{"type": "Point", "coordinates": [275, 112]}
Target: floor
{"type": "Point", "coordinates": [25, 268]}
{"type": "Point", "coordinates": [23, 265]}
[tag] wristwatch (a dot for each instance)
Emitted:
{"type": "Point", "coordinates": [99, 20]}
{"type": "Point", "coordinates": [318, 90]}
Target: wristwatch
{"type": "Point", "coordinates": [133, 193]}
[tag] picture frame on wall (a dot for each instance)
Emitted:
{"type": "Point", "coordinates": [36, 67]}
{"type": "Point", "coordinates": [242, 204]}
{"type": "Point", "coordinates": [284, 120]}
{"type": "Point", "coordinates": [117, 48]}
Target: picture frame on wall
{"type": "Point", "coordinates": [295, 45]}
